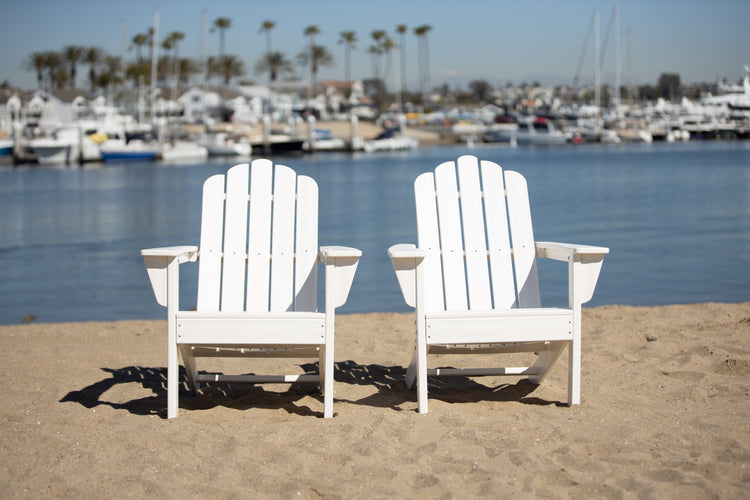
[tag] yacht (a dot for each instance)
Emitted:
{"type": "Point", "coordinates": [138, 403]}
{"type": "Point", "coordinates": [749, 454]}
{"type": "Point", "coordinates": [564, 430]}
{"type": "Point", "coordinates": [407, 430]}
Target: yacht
{"type": "Point", "coordinates": [539, 132]}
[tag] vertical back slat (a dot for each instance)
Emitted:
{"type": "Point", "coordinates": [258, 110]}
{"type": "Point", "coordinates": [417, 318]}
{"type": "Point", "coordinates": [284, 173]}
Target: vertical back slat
{"type": "Point", "coordinates": [522, 235]}
{"type": "Point", "coordinates": [259, 236]}
{"type": "Point", "coordinates": [305, 275]}
{"type": "Point", "coordinates": [428, 239]}
{"type": "Point", "coordinates": [235, 240]}
{"type": "Point", "coordinates": [449, 223]}
{"type": "Point", "coordinates": [212, 225]}
{"type": "Point", "coordinates": [498, 239]}
{"type": "Point", "coordinates": [475, 246]}
{"type": "Point", "coordinates": [282, 240]}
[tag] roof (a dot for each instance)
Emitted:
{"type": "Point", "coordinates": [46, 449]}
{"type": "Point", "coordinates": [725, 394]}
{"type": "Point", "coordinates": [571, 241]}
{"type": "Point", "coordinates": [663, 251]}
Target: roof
{"type": "Point", "coordinates": [338, 84]}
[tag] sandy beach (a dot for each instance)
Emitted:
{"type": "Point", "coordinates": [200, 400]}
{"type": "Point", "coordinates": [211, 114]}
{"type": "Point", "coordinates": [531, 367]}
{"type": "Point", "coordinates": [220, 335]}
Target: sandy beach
{"type": "Point", "coordinates": [665, 413]}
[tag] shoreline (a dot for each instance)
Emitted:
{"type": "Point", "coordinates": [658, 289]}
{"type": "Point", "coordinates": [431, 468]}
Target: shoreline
{"type": "Point", "coordinates": [665, 412]}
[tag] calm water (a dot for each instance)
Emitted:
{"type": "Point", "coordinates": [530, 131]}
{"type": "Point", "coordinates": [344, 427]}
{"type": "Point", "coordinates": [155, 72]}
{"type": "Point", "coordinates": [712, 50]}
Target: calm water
{"type": "Point", "coordinates": [676, 217]}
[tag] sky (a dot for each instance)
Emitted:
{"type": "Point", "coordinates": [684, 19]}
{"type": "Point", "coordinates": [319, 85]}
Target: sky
{"type": "Point", "coordinates": [500, 41]}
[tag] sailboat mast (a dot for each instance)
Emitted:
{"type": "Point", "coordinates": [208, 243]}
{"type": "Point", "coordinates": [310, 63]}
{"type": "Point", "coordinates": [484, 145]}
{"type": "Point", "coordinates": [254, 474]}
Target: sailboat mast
{"type": "Point", "coordinates": [154, 62]}
{"type": "Point", "coordinates": [630, 68]}
{"type": "Point", "coordinates": [597, 63]}
{"type": "Point", "coordinates": [617, 59]}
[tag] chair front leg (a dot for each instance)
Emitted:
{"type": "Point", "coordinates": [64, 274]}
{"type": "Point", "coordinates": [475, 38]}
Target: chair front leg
{"type": "Point", "coordinates": [173, 362]}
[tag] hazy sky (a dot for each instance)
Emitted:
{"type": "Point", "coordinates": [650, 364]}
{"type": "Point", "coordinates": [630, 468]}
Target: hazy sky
{"type": "Point", "coordinates": [496, 40]}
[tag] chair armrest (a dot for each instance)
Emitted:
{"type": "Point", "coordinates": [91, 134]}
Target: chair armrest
{"type": "Point", "coordinates": [405, 259]}
{"type": "Point", "coordinates": [158, 260]}
{"type": "Point", "coordinates": [341, 265]}
{"type": "Point", "coordinates": [584, 266]}
{"type": "Point", "coordinates": [329, 252]}
{"type": "Point", "coordinates": [405, 251]}
{"type": "Point", "coordinates": [189, 252]}
{"type": "Point", "coordinates": [566, 251]}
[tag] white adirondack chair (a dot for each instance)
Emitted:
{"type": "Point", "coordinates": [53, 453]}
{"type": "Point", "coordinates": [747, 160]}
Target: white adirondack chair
{"type": "Point", "coordinates": [473, 278]}
{"type": "Point", "coordinates": [257, 279]}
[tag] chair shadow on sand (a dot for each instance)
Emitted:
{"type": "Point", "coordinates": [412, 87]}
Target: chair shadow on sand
{"type": "Point", "coordinates": [391, 391]}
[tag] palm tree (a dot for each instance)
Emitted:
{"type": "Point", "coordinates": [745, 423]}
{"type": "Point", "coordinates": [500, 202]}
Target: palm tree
{"type": "Point", "coordinates": [93, 57]}
{"type": "Point", "coordinates": [188, 67]}
{"type": "Point", "coordinates": [73, 55]}
{"type": "Point", "coordinates": [228, 66]}
{"type": "Point", "coordinates": [56, 75]}
{"type": "Point", "coordinates": [222, 24]}
{"type": "Point", "coordinates": [315, 58]}
{"type": "Point", "coordinates": [423, 56]}
{"type": "Point", "coordinates": [110, 76]}
{"type": "Point", "coordinates": [401, 30]}
{"type": "Point", "coordinates": [349, 39]}
{"type": "Point", "coordinates": [388, 45]}
{"type": "Point", "coordinates": [375, 52]}
{"type": "Point", "coordinates": [150, 41]}
{"type": "Point", "coordinates": [140, 40]}
{"type": "Point", "coordinates": [266, 28]}
{"type": "Point", "coordinates": [275, 63]}
{"type": "Point", "coordinates": [172, 41]}
{"type": "Point", "coordinates": [36, 61]}
{"type": "Point", "coordinates": [138, 73]}
{"type": "Point", "coordinates": [310, 32]}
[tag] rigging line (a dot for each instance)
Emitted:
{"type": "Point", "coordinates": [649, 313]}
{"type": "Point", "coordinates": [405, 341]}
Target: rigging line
{"type": "Point", "coordinates": [586, 40]}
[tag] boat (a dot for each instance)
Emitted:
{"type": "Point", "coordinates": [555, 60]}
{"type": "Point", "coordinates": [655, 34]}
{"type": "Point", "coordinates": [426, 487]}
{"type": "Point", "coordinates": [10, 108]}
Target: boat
{"type": "Point", "coordinates": [6, 147]}
{"type": "Point", "coordinates": [537, 131]}
{"type": "Point", "coordinates": [635, 135]}
{"type": "Point", "coordinates": [502, 131]}
{"type": "Point", "coordinates": [468, 130]}
{"type": "Point", "coordinates": [396, 143]}
{"type": "Point", "coordinates": [179, 151]}
{"type": "Point", "coordinates": [391, 139]}
{"type": "Point", "coordinates": [276, 144]}
{"type": "Point", "coordinates": [134, 150]}
{"type": "Point", "coordinates": [65, 145]}
{"type": "Point", "coordinates": [323, 140]}
{"type": "Point", "coordinates": [51, 150]}
{"type": "Point", "coordinates": [700, 126]}
{"type": "Point", "coordinates": [221, 144]}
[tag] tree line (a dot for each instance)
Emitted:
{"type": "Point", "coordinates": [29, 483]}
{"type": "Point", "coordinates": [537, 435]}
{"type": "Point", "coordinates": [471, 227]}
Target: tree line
{"type": "Point", "coordinates": [59, 69]}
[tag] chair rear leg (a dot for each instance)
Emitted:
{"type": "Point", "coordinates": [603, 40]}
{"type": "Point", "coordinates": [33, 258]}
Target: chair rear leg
{"type": "Point", "coordinates": [545, 361]}
{"type": "Point", "coordinates": [411, 371]}
{"type": "Point", "coordinates": [191, 368]}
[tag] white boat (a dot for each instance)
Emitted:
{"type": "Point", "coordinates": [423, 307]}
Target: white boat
{"type": "Point", "coordinates": [635, 135]}
{"type": "Point", "coordinates": [465, 130]}
{"type": "Point", "coordinates": [323, 140]}
{"type": "Point", "coordinates": [505, 132]}
{"type": "Point", "coordinates": [182, 151]}
{"type": "Point", "coordinates": [52, 150]}
{"type": "Point", "coordinates": [65, 145]}
{"type": "Point", "coordinates": [222, 145]}
{"type": "Point", "coordinates": [391, 138]}
{"type": "Point", "coordinates": [395, 143]}
{"type": "Point", "coordinates": [539, 132]}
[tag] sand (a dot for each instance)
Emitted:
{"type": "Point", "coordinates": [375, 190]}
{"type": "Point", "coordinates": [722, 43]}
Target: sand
{"type": "Point", "coordinates": [665, 413]}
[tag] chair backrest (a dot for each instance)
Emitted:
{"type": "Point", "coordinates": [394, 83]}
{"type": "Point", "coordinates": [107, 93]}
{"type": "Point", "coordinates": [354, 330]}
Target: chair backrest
{"type": "Point", "coordinates": [259, 240]}
{"type": "Point", "coordinates": [474, 223]}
